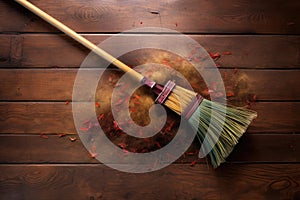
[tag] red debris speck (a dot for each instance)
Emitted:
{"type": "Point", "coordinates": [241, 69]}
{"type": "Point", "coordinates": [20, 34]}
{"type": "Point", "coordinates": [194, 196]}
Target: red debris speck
{"type": "Point", "coordinates": [227, 53]}
{"type": "Point", "coordinates": [140, 132]}
{"type": "Point", "coordinates": [229, 94]}
{"type": "Point", "coordinates": [137, 102]}
{"type": "Point", "coordinates": [125, 151]}
{"type": "Point", "coordinates": [191, 153]}
{"type": "Point", "coordinates": [157, 144]}
{"type": "Point", "coordinates": [136, 96]}
{"type": "Point", "coordinates": [166, 62]}
{"type": "Point", "coordinates": [101, 117]}
{"type": "Point", "coordinates": [176, 24]}
{"type": "Point", "coordinates": [217, 94]}
{"type": "Point", "coordinates": [84, 129]}
{"type": "Point", "coordinates": [43, 135]}
{"type": "Point", "coordinates": [193, 163]}
{"type": "Point", "coordinates": [127, 99]}
{"type": "Point", "coordinates": [119, 84]}
{"type": "Point", "coordinates": [87, 122]}
{"type": "Point", "coordinates": [225, 75]}
{"type": "Point", "coordinates": [170, 126]}
{"type": "Point", "coordinates": [61, 135]}
{"type": "Point", "coordinates": [93, 155]}
{"type": "Point", "coordinates": [132, 110]}
{"type": "Point", "coordinates": [213, 86]}
{"type": "Point", "coordinates": [146, 140]}
{"type": "Point", "coordinates": [134, 150]}
{"type": "Point", "coordinates": [235, 70]}
{"type": "Point", "coordinates": [248, 104]}
{"type": "Point", "coordinates": [67, 102]}
{"type": "Point", "coordinates": [87, 125]}
{"type": "Point", "coordinates": [141, 22]}
{"type": "Point", "coordinates": [93, 152]}
{"type": "Point", "coordinates": [170, 156]}
{"type": "Point", "coordinates": [122, 145]}
{"type": "Point", "coordinates": [116, 126]}
{"type": "Point", "coordinates": [254, 98]}
{"type": "Point", "coordinates": [216, 55]}
{"type": "Point", "coordinates": [97, 104]}
{"type": "Point", "coordinates": [205, 92]}
{"type": "Point", "coordinates": [121, 101]}
{"type": "Point", "coordinates": [72, 139]}
{"type": "Point", "coordinates": [144, 150]}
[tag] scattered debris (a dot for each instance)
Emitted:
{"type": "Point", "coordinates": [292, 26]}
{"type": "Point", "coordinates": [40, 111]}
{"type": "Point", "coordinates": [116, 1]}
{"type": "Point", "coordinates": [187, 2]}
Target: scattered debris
{"type": "Point", "coordinates": [72, 139]}
{"type": "Point", "coordinates": [227, 53]}
{"type": "Point", "coordinates": [101, 117]}
{"type": "Point", "coordinates": [193, 163]}
{"type": "Point", "coordinates": [43, 135]}
{"type": "Point", "coordinates": [60, 135]}
{"type": "Point", "coordinates": [97, 104]}
{"type": "Point", "coordinates": [215, 55]}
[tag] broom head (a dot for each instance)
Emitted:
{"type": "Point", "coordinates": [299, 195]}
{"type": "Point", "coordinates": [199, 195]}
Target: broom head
{"type": "Point", "coordinates": [218, 127]}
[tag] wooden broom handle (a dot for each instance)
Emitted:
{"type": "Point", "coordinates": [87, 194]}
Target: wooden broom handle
{"type": "Point", "coordinates": [79, 38]}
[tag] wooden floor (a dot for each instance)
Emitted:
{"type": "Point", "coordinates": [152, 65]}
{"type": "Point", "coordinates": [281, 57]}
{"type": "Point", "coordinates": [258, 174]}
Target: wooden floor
{"type": "Point", "coordinates": [259, 43]}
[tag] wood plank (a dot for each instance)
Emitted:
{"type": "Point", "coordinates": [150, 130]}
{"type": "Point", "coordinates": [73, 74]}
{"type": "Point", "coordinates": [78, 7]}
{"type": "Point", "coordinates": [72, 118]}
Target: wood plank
{"type": "Point", "coordinates": [36, 117]}
{"type": "Point", "coordinates": [57, 84]}
{"type": "Point", "coordinates": [248, 51]}
{"type": "Point", "coordinates": [276, 117]}
{"type": "Point", "coordinates": [20, 117]}
{"type": "Point", "coordinates": [5, 50]}
{"type": "Point", "coordinates": [266, 148]}
{"type": "Point", "coordinates": [264, 165]}
{"type": "Point", "coordinates": [252, 148]}
{"type": "Point", "coordinates": [232, 16]}
{"type": "Point", "coordinates": [267, 181]}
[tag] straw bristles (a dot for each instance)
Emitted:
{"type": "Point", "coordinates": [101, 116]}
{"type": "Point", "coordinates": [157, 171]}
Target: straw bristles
{"type": "Point", "coordinates": [218, 127]}
{"type": "Point", "coordinates": [179, 99]}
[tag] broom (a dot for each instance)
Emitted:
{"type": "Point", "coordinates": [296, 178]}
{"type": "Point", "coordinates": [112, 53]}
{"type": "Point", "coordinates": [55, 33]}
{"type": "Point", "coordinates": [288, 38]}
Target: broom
{"type": "Point", "coordinates": [218, 127]}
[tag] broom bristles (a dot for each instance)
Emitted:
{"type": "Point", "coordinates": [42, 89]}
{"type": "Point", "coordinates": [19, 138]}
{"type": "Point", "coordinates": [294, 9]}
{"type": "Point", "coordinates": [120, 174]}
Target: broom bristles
{"type": "Point", "coordinates": [218, 127]}
{"type": "Point", "coordinates": [179, 99]}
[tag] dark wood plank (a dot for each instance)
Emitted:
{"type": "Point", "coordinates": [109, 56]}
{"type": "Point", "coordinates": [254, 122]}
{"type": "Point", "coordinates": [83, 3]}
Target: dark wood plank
{"type": "Point", "coordinates": [253, 148]}
{"type": "Point", "coordinates": [57, 84]}
{"type": "Point", "coordinates": [266, 148]}
{"type": "Point", "coordinates": [174, 182]}
{"type": "Point", "coordinates": [276, 117]}
{"type": "Point", "coordinates": [248, 51]}
{"type": "Point", "coordinates": [19, 117]}
{"type": "Point", "coordinates": [34, 166]}
{"type": "Point", "coordinates": [36, 117]}
{"type": "Point", "coordinates": [35, 149]}
{"type": "Point", "coordinates": [5, 50]}
{"type": "Point", "coordinates": [232, 16]}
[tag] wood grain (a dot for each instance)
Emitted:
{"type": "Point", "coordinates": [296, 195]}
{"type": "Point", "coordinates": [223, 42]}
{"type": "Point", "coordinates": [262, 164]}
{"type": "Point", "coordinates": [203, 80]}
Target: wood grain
{"type": "Point", "coordinates": [57, 84]}
{"type": "Point", "coordinates": [263, 181]}
{"type": "Point", "coordinates": [232, 16]}
{"type": "Point", "coordinates": [56, 117]}
{"type": "Point", "coordinates": [36, 117]}
{"type": "Point", "coordinates": [38, 66]}
{"type": "Point", "coordinates": [248, 51]}
{"type": "Point", "coordinates": [252, 148]}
